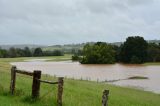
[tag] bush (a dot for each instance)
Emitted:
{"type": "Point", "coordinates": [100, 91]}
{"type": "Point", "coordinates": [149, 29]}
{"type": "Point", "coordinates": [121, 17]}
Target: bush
{"type": "Point", "coordinates": [75, 58]}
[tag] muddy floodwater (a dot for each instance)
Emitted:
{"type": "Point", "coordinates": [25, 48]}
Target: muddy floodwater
{"type": "Point", "coordinates": [117, 74]}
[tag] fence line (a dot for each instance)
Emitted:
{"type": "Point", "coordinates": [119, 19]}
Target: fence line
{"type": "Point", "coordinates": [36, 83]}
{"type": "Point", "coordinates": [24, 72]}
{"type": "Point", "coordinates": [49, 82]}
{"type": "Point", "coordinates": [105, 98]}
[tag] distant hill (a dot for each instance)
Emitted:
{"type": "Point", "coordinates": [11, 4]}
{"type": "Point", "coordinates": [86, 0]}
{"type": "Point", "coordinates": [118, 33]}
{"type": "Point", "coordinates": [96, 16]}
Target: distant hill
{"type": "Point", "coordinates": [21, 46]}
{"type": "Point", "coordinates": [70, 47]}
{"type": "Point", "coordinates": [67, 48]}
{"type": "Point", "coordinates": [149, 41]}
{"type": "Point", "coordinates": [117, 43]}
{"type": "Point", "coordinates": [154, 41]}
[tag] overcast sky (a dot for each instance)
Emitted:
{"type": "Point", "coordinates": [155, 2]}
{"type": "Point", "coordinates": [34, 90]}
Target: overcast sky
{"type": "Point", "coordinates": [75, 21]}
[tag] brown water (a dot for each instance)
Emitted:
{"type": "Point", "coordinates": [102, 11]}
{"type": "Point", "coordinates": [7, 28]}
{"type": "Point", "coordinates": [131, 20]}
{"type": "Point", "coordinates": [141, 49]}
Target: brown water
{"type": "Point", "coordinates": [100, 73]}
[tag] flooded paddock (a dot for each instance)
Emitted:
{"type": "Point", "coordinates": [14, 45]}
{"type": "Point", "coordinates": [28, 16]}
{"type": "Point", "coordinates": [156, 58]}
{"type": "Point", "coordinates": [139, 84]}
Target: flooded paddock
{"type": "Point", "coordinates": [118, 73]}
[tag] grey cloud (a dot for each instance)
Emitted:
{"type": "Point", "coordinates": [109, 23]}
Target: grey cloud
{"type": "Point", "coordinates": [139, 2]}
{"type": "Point", "coordinates": [74, 21]}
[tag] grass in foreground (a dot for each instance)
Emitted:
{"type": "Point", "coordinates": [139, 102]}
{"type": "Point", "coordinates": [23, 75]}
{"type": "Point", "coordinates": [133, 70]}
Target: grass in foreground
{"type": "Point", "coordinates": [76, 92]}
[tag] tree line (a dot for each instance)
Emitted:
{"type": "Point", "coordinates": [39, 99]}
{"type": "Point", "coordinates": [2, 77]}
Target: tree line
{"type": "Point", "coordinates": [134, 50]}
{"type": "Point", "coordinates": [27, 52]}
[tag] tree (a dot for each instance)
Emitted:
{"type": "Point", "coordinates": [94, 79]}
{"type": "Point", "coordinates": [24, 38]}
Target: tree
{"type": "Point", "coordinates": [27, 52]}
{"type": "Point", "coordinates": [53, 53]}
{"type": "Point", "coordinates": [20, 52]}
{"type": "Point", "coordinates": [117, 50]}
{"type": "Point", "coordinates": [99, 53]}
{"type": "Point", "coordinates": [153, 52]}
{"type": "Point", "coordinates": [12, 52]}
{"type": "Point", "coordinates": [57, 53]}
{"type": "Point", "coordinates": [135, 60]}
{"type": "Point", "coordinates": [38, 52]}
{"type": "Point", "coordinates": [3, 53]}
{"type": "Point", "coordinates": [134, 48]}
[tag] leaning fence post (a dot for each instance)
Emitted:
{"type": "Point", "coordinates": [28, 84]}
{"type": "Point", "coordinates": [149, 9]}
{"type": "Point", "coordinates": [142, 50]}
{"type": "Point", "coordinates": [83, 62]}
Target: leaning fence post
{"type": "Point", "coordinates": [13, 79]}
{"type": "Point", "coordinates": [105, 98]}
{"type": "Point", "coordinates": [36, 84]}
{"type": "Point", "coordinates": [60, 91]}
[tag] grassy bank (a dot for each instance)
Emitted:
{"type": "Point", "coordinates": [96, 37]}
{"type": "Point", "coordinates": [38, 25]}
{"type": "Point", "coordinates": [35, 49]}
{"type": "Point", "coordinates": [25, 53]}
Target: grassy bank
{"type": "Point", "coordinates": [76, 92]}
{"type": "Point", "coordinates": [152, 63]}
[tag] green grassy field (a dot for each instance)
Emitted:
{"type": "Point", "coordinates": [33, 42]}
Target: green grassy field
{"type": "Point", "coordinates": [76, 92]}
{"type": "Point", "coordinates": [152, 63]}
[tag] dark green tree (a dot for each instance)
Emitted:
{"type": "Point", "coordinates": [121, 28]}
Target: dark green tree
{"type": "Point", "coordinates": [38, 52]}
{"type": "Point", "coordinates": [117, 52]}
{"type": "Point", "coordinates": [57, 53]}
{"type": "Point", "coordinates": [134, 50]}
{"type": "Point", "coordinates": [3, 53]}
{"type": "Point", "coordinates": [99, 53]}
{"type": "Point", "coordinates": [27, 52]}
{"type": "Point", "coordinates": [12, 52]}
{"type": "Point", "coordinates": [20, 52]}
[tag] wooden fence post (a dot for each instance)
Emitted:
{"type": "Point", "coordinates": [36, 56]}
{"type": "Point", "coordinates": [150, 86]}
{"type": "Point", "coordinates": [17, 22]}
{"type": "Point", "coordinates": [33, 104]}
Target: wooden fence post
{"type": "Point", "coordinates": [36, 84]}
{"type": "Point", "coordinates": [13, 80]}
{"type": "Point", "coordinates": [105, 98]}
{"type": "Point", "coordinates": [60, 91]}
